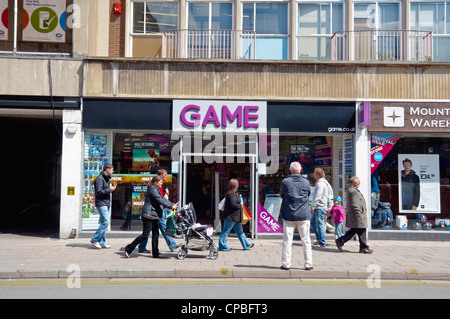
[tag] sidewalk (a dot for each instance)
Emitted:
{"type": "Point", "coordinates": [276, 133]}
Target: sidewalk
{"type": "Point", "coordinates": [43, 257]}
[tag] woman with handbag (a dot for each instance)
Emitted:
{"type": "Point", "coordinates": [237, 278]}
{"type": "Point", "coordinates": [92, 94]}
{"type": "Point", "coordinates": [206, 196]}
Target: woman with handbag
{"type": "Point", "coordinates": [151, 213]}
{"type": "Point", "coordinates": [232, 217]}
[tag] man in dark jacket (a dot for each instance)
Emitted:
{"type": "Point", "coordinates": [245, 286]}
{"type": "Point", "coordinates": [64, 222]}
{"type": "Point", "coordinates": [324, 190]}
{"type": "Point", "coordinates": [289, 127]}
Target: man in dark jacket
{"type": "Point", "coordinates": [295, 211]}
{"type": "Point", "coordinates": [103, 191]}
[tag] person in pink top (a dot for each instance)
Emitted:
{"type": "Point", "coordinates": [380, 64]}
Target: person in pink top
{"type": "Point", "coordinates": [339, 216]}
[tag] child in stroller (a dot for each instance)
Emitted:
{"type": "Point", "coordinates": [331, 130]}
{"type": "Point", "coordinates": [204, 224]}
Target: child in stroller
{"type": "Point", "coordinates": [197, 237]}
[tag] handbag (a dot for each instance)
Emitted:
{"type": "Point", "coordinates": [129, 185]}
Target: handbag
{"type": "Point", "coordinates": [245, 215]}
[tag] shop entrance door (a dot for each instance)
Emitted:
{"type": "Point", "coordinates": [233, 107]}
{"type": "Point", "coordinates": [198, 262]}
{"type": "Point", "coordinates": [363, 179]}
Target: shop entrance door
{"type": "Point", "coordinates": [205, 184]}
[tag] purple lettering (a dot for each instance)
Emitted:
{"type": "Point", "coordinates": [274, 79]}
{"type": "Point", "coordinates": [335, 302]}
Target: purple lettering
{"type": "Point", "coordinates": [211, 116]}
{"type": "Point", "coordinates": [227, 115]}
{"type": "Point", "coordinates": [195, 116]}
{"type": "Point", "coordinates": [248, 117]}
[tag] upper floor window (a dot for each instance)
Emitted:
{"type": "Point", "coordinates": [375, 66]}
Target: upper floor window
{"type": "Point", "coordinates": [270, 21]}
{"type": "Point", "coordinates": [153, 17]}
{"type": "Point", "coordinates": [434, 17]}
{"type": "Point", "coordinates": [210, 15]}
{"type": "Point", "coordinates": [316, 24]}
{"type": "Point", "coordinates": [377, 16]}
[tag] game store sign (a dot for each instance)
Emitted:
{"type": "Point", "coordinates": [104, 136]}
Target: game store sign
{"type": "Point", "coordinates": [219, 116]}
{"type": "Point", "coordinates": [422, 117]}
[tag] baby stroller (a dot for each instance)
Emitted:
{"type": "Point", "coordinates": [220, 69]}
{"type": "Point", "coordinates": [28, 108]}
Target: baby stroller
{"type": "Point", "coordinates": [197, 237]}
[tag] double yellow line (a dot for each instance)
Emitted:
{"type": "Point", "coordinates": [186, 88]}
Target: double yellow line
{"type": "Point", "coordinates": [12, 283]}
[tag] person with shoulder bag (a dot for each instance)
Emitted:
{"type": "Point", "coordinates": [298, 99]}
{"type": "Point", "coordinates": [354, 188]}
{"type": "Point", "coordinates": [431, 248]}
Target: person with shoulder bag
{"type": "Point", "coordinates": [232, 217]}
{"type": "Point", "coordinates": [151, 213]}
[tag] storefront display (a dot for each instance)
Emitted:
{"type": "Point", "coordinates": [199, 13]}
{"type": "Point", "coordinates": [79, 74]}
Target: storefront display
{"type": "Point", "coordinates": [200, 159]}
{"type": "Point", "coordinates": [97, 148]}
{"type": "Point", "coordinates": [410, 163]}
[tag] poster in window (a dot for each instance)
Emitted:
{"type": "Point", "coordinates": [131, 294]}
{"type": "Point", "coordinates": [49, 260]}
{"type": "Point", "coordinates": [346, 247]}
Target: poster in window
{"type": "Point", "coordinates": [47, 21]}
{"type": "Point", "coordinates": [305, 154]}
{"type": "Point", "coordinates": [146, 156]}
{"type": "Point", "coordinates": [3, 19]}
{"type": "Point", "coordinates": [419, 184]}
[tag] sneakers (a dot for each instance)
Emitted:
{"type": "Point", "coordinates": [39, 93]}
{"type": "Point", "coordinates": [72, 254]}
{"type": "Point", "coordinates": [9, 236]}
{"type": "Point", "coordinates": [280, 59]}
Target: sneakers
{"type": "Point", "coordinates": [98, 246]}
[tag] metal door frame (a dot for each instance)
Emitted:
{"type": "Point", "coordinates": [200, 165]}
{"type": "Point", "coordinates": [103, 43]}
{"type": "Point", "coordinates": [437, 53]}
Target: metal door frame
{"type": "Point", "coordinates": [254, 181]}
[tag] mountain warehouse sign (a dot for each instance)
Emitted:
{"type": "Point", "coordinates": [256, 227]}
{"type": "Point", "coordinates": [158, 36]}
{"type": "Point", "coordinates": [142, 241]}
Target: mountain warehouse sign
{"type": "Point", "coordinates": [410, 117]}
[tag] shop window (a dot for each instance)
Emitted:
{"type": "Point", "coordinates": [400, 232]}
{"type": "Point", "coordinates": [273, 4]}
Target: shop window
{"type": "Point", "coordinates": [42, 26]}
{"type": "Point", "coordinates": [137, 157]}
{"type": "Point", "coordinates": [97, 152]}
{"type": "Point", "coordinates": [414, 178]}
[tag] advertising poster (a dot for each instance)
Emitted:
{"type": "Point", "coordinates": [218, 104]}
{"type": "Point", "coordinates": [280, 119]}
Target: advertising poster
{"type": "Point", "coordinates": [272, 205]}
{"type": "Point", "coordinates": [44, 21]}
{"type": "Point", "coordinates": [138, 198]}
{"type": "Point", "coordinates": [304, 154]}
{"type": "Point", "coordinates": [3, 19]}
{"type": "Point", "coordinates": [146, 156]}
{"type": "Point", "coordinates": [419, 184]}
{"type": "Point", "coordinates": [266, 223]}
{"type": "Point", "coordinates": [381, 145]}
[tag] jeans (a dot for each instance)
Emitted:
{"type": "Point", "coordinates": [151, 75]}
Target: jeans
{"type": "Point", "coordinates": [288, 233]}
{"type": "Point", "coordinates": [338, 229]}
{"type": "Point", "coordinates": [317, 224]}
{"type": "Point", "coordinates": [169, 240]}
{"type": "Point", "coordinates": [227, 226]}
{"type": "Point", "coordinates": [148, 225]}
{"type": "Point", "coordinates": [105, 217]}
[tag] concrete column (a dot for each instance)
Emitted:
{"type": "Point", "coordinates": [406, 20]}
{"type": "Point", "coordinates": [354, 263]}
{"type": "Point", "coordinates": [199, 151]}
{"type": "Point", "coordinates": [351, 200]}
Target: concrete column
{"type": "Point", "coordinates": [71, 168]}
{"type": "Point", "coordinates": [362, 163]}
{"type": "Point", "coordinates": [293, 30]}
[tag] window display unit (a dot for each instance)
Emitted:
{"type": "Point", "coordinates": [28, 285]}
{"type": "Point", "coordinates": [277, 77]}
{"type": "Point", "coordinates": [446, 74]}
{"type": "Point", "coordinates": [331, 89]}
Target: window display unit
{"type": "Point", "coordinates": [411, 175]}
{"type": "Point", "coordinates": [97, 152]}
{"type": "Point", "coordinates": [137, 157]}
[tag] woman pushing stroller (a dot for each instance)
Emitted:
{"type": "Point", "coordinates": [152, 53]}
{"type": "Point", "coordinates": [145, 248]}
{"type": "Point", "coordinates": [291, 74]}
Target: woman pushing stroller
{"type": "Point", "coordinates": [151, 213]}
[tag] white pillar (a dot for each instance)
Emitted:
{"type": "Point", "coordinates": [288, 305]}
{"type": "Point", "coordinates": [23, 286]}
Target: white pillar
{"type": "Point", "coordinates": [71, 168]}
{"type": "Point", "coordinates": [362, 163]}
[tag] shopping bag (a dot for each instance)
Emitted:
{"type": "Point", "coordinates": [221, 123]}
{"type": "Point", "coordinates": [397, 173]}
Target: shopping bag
{"type": "Point", "coordinates": [245, 215]}
{"type": "Point", "coordinates": [222, 204]}
{"type": "Point", "coordinates": [170, 226]}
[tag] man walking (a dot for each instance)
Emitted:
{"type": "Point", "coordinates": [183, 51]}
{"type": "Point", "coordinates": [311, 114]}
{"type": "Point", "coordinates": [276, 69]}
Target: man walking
{"type": "Point", "coordinates": [294, 191]}
{"type": "Point", "coordinates": [356, 217]}
{"type": "Point", "coordinates": [103, 191]}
